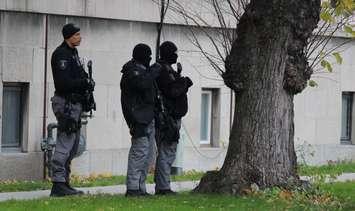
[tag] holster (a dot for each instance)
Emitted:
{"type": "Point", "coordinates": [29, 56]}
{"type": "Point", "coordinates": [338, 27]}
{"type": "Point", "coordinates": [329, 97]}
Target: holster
{"type": "Point", "coordinates": [74, 98]}
{"type": "Point", "coordinates": [68, 124]}
{"type": "Point", "coordinates": [66, 121]}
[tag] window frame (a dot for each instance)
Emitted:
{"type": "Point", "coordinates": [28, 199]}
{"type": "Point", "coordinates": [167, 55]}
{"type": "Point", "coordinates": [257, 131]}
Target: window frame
{"type": "Point", "coordinates": [23, 119]}
{"type": "Point", "coordinates": [209, 92]}
{"type": "Point", "coordinates": [349, 100]}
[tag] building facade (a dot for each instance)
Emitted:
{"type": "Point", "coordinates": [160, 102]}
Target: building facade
{"type": "Point", "coordinates": [30, 30]}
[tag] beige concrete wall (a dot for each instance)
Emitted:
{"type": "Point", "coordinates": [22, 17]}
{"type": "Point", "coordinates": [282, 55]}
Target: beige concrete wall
{"type": "Point", "coordinates": [131, 10]}
{"type": "Point", "coordinates": [137, 10]}
{"type": "Point", "coordinates": [109, 44]}
{"type": "Point", "coordinates": [318, 109]}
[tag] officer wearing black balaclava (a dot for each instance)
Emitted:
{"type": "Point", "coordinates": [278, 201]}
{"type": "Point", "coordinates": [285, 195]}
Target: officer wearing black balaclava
{"type": "Point", "coordinates": [173, 88]}
{"type": "Point", "coordinates": [138, 100]}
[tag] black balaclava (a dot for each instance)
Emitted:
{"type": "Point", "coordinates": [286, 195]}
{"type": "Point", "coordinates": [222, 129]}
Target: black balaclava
{"type": "Point", "coordinates": [168, 52]}
{"type": "Point", "coordinates": [69, 30]}
{"type": "Point", "coordinates": [142, 54]}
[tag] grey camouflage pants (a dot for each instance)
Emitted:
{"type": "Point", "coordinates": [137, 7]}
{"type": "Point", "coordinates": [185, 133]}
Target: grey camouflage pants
{"type": "Point", "coordinates": [166, 157]}
{"type": "Point", "coordinates": [139, 158]}
{"type": "Point", "coordinates": [66, 143]}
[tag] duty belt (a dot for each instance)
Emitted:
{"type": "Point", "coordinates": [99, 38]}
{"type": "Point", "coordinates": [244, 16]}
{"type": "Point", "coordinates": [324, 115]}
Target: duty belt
{"type": "Point", "coordinates": [73, 97]}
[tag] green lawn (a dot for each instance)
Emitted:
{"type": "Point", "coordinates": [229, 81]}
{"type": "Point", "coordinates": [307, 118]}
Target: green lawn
{"type": "Point", "coordinates": [331, 169]}
{"type": "Point", "coordinates": [94, 180]}
{"type": "Point", "coordinates": [337, 196]}
{"type": "Point", "coordinates": [105, 180]}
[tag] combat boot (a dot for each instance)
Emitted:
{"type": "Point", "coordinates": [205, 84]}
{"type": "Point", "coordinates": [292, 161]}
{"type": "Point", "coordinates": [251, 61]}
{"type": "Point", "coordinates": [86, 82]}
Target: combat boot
{"type": "Point", "coordinates": [165, 192]}
{"type": "Point", "coordinates": [136, 193]}
{"type": "Point", "coordinates": [60, 189]}
{"type": "Point", "coordinates": [78, 192]}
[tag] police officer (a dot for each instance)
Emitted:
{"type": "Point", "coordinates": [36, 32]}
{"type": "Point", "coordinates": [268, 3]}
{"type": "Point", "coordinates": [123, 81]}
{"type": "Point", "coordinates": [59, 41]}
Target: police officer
{"type": "Point", "coordinates": [173, 89]}
{"type": "Point", "coordinates": [71, 82]}
{"type": "Point", "coordinates": [138, 100]}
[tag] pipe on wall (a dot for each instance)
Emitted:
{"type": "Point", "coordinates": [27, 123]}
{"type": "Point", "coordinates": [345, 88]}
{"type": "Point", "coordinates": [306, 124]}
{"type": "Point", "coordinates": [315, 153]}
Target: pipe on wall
{"type": "Point", "coordinates": [44, 122]}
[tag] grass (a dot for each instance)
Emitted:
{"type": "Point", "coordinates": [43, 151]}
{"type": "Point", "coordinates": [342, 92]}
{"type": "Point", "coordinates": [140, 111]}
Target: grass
{"type": "Point", "coordinates": [332, 168]}
{"type": "Point", "coordinates": [107, 179]}
{"type": "Point", "coordinates": [91, 181]}
{"type": "Point", "coordinates": [336, 196]}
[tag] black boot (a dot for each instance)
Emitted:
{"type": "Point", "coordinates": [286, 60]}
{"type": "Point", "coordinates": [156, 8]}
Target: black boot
{"type": "Point", "coordinates": [77, 192]}
{"type": "Point", "coordinates": [136, 193]}
{"type": "Point", "coordinates": [60, 189]}
{"type": "Point", "coordinates": [165, 192]}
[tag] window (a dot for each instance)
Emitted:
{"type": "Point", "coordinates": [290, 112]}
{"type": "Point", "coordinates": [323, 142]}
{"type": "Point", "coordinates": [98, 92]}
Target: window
{"type": "Point", "coordinates": [12, 113]}
{"type": "Point", "coordinates": [346, 117]}
{"type": "Point", "coordinates": [210, 117]}
{"type": "Point", "coordinates": [206, 104]}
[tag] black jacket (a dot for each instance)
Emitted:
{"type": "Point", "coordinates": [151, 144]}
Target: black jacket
{"type": "Point", "coordinates": [174, 89]}
{"type": "Point", "coordinates": [68, 73]}
{"type": "Point", "coordinates": [138, 94]}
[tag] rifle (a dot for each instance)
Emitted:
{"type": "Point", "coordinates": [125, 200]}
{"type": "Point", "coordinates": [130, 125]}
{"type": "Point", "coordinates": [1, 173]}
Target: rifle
{"type": "Point", "coordinates": [90, 103]}
{"type": "Point", "coordinates": [166, 127]}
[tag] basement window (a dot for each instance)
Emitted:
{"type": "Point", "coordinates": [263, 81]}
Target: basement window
{"type": "Point", "coordinates": [13, 108]}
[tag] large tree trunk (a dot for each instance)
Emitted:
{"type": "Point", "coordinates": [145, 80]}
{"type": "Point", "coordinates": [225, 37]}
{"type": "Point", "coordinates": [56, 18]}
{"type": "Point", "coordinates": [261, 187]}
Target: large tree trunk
{"type": "Point", "coordinates": [266, 68]}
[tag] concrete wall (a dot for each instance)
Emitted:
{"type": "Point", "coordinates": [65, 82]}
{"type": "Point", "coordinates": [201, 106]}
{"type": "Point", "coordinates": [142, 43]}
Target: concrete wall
{"type": "Point", "coordinates": [131, 10]}
{"type": "Point", "coordinates": [22, 55]}
{"type": "Point", "coordinates": [137, 10]}
{"type": "Point", "coordinates": [109, 44]}
{"type": "Point", "coordinates": [318, 109]}
{"type": "Point", "coordinates": [110, 32]}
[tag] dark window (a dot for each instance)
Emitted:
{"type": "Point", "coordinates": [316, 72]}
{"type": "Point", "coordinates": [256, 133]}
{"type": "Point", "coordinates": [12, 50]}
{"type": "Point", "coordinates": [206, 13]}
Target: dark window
{"type": "Point", "coordinates": [346, 117]}
{"type": "Point", "coordinates": [12, 111]}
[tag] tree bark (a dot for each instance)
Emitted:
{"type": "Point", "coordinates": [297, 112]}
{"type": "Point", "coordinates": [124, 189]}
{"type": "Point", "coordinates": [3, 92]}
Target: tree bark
{"type": "Point", "coordinates": [266, 68]}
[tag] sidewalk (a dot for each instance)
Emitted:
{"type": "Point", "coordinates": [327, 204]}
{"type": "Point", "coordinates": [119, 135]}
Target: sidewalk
{"type": "Point", "coordinates": [116, 189]}
{"type": "Point", "coordinates": [121, 189]}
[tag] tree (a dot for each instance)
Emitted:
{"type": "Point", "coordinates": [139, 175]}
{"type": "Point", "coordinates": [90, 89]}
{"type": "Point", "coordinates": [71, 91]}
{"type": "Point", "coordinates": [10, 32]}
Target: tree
{"type": "Point", "coordinates": [266, 64]}
{"type": "Point", "coordinates": [266, 67]}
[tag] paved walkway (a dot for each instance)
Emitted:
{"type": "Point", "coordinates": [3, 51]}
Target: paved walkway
{"type": "Point", "coordinates": [116, 189]}
{"type": "Point", "coordinates": [121, 189]}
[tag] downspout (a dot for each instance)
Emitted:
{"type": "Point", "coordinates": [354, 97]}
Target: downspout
{"type": "Point", "coordinates": [231, 111]}
{"type": "Point", "coordinates": [44, 122]}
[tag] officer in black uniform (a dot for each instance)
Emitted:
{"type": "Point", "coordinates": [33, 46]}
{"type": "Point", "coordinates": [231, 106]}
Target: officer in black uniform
{"type": "Point", "coordinates": [138, 100]}
{"type": "Point", "coordinates": [173, 88]}
{"type": "Point", "coordinates": [71, 83]}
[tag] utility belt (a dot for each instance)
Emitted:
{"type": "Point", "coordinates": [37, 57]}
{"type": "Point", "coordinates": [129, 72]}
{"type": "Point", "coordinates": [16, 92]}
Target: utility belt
{"type": "Point", "coordinates": [72, 97]}
{"type": "Point", "coordinates": [68, 112]}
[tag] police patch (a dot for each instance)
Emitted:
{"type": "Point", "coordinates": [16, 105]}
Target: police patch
{"type": "Point", "coordinates": [63, 64]}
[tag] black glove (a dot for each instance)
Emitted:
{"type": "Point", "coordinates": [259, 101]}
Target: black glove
{"type": "Point", "coordinates": [155, 70]}
{"type": "Point", "coordinates": [179, 68]}
{"type": "Point", "coordinates": [188, 82]}
{"type": "Point", "coordinates": [90, 84]}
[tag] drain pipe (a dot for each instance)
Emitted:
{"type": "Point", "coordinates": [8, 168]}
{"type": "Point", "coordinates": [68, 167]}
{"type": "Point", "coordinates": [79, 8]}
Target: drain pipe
{"type": "Point", "coordinates": [231, 111]}
{"type": "Point", "coordinates": [44, 123]}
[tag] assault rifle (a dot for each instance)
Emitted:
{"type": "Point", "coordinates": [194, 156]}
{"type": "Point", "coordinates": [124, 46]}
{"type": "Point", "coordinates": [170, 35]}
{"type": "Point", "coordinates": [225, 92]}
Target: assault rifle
{"type": "Point", "coordinates": [89, 105]}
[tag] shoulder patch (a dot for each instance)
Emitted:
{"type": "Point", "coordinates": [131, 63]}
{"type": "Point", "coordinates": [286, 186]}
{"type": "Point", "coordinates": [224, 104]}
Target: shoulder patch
{"type": "Point", "coordinates": [135, 73]}
{"type": "Point", "coordinates": [63, 64]}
